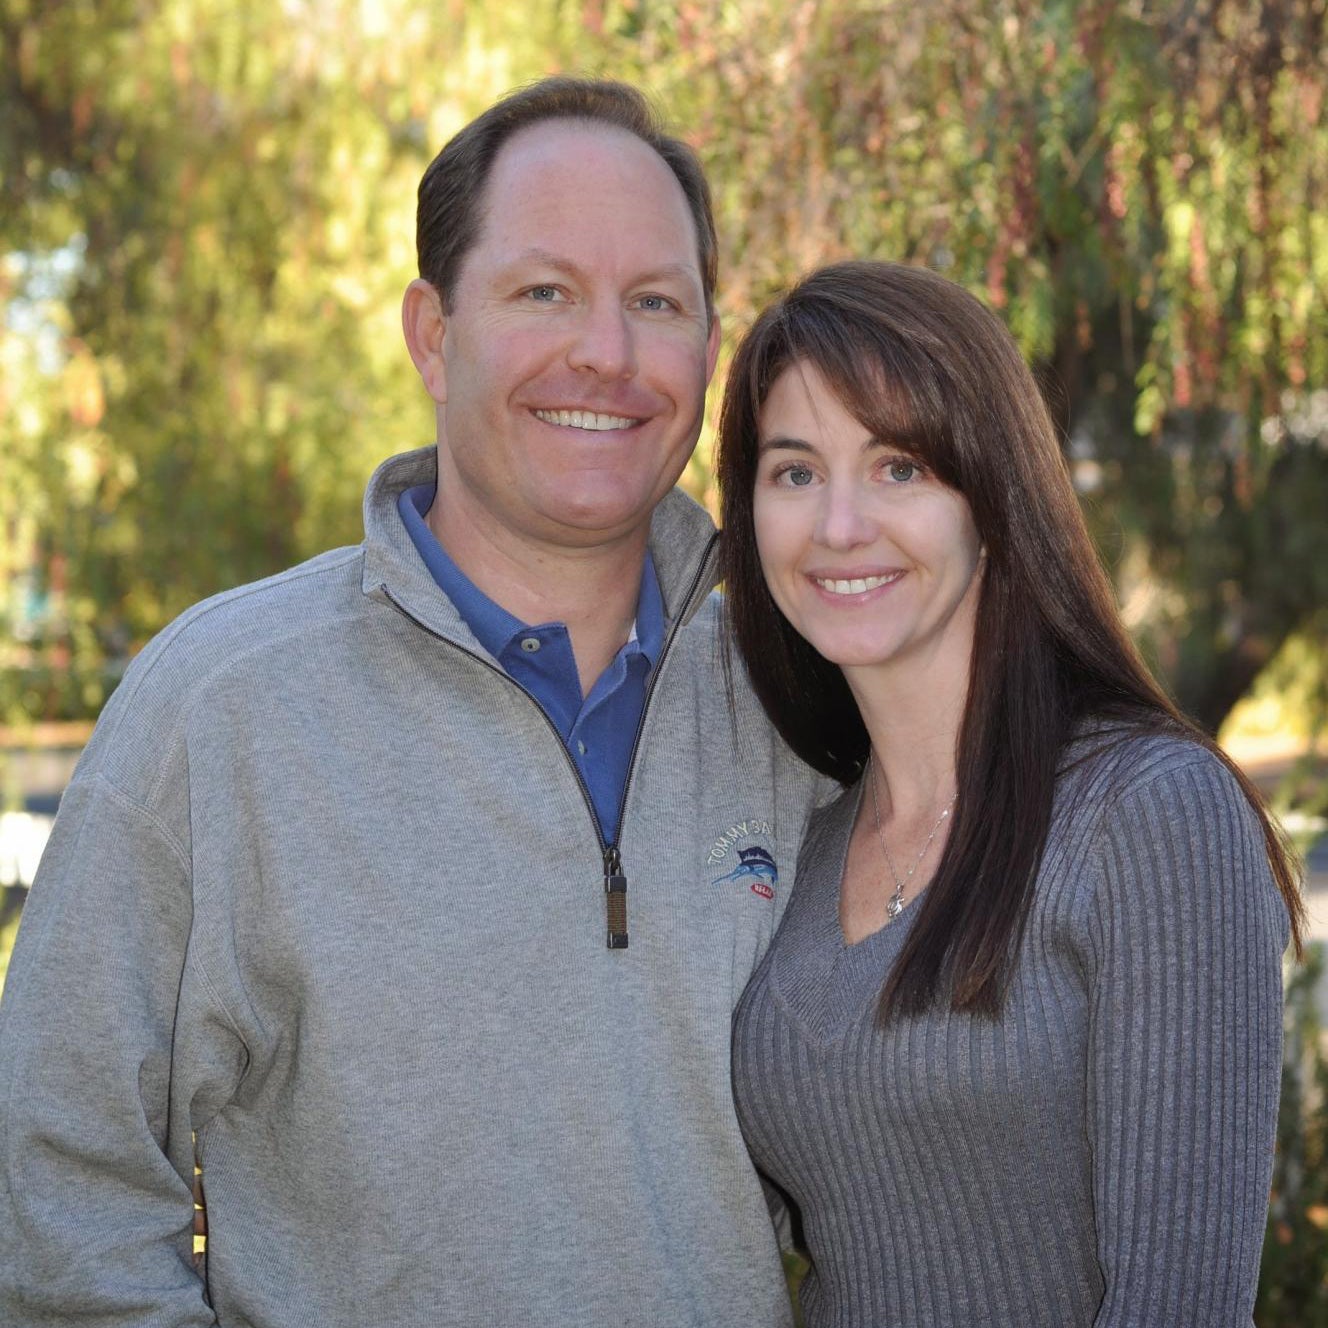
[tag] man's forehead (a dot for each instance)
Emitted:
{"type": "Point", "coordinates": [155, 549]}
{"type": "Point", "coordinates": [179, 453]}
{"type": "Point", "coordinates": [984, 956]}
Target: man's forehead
{"type": "Point", "coordinates": [568, 137]}
{"type": "Point", "coordinates": [578, 163]}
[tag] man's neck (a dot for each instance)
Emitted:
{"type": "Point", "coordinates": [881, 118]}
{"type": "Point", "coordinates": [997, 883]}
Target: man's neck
{"type": "Point", "coordinates": [593, 590]}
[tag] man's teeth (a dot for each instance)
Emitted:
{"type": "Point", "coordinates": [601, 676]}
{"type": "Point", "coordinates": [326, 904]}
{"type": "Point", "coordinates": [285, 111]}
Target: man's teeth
{"type": "Point", "coordinates": [583, 419]}
{"type": "Point", "coordinates": [857, 585]}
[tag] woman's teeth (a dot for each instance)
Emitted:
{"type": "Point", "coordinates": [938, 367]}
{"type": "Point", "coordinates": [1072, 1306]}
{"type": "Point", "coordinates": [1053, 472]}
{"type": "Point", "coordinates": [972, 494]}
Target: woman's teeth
{"type": "Point", "coordinates": [856, 585]}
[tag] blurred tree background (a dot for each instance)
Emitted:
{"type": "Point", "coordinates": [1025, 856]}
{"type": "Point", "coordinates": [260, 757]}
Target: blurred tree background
{"type": "Point", "coordinates": [207, 220]}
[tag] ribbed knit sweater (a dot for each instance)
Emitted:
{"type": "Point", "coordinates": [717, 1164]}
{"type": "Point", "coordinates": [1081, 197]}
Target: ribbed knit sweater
{"type": "Point", "coordinates": [1099, 1155]}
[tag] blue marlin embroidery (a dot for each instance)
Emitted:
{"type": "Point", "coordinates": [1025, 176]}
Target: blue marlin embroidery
{"type": "Point", "coordinates": [754, 864]}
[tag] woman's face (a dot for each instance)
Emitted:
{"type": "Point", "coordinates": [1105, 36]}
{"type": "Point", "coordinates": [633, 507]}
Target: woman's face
{"type": "Point", "coordinates": [870, 557]}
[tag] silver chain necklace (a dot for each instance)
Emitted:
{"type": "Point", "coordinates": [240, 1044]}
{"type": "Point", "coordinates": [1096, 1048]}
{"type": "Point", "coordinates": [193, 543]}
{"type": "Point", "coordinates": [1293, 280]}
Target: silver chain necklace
{"type": "Point", "coordinates": [895, 905]}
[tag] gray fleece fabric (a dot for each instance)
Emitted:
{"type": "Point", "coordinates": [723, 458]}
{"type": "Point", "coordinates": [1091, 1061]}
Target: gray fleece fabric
{"type": "Point", "coordinates": [1101, 1154]}
{"type": "Point", "coordinates": [326, 893]}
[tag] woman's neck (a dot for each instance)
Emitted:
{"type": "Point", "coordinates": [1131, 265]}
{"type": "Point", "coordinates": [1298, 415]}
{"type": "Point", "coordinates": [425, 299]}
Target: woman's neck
{"type": "Point", "coordinates": [913, 717]}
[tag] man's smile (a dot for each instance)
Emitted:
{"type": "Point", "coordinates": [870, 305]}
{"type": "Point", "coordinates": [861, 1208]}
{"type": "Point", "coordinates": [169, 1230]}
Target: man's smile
{"type": "Point", "coordinates": [585, 419]}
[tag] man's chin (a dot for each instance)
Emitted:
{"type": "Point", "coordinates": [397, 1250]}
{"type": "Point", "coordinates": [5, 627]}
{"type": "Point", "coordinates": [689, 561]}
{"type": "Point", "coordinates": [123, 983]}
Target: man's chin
{"type": "Point", "coordinates": [603, 513]}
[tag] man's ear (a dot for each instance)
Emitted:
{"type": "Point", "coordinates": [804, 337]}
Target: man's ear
{"type": "Point", "coordinates": [712, 348]}
{"type": "Point", "coordinates": [424, 322]}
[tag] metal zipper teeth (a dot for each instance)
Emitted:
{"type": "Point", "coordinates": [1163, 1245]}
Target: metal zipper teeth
{"type": "Point", "coordinates": [612, 859]}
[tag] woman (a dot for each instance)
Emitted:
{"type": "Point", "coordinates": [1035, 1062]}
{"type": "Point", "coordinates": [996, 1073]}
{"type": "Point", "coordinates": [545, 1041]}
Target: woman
{"type": "Point", "coordinates": [1014, 1054]}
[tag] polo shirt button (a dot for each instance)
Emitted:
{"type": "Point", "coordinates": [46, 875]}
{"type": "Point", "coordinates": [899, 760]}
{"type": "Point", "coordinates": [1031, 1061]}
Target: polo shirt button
{"type": "Point", "coordinates": [530, 644]}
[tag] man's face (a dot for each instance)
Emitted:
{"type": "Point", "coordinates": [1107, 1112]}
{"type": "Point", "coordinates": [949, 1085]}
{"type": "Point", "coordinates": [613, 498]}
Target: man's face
{"type": "Point", "coordinates": [576, 347]}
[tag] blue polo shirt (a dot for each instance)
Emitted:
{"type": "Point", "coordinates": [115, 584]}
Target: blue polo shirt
{"type": "Point", "coordinates": [598, 730]}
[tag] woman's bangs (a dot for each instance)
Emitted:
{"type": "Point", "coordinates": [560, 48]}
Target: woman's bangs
{"type": "Point", "coordinates": [892, 392]}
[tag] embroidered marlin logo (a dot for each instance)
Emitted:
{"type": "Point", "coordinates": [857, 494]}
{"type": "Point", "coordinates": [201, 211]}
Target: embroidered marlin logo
{"type": "Point", "coordinates": [756, 866]}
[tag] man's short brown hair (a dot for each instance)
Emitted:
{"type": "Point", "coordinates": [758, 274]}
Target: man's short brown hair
{"type": "Point", "coordinates": [451, 194]}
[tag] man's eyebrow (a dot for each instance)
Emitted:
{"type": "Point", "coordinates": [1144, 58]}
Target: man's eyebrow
{"type": "Point", "coordinates": [547, 258]}
{"type": "Point", "coordinates": [679, 271]}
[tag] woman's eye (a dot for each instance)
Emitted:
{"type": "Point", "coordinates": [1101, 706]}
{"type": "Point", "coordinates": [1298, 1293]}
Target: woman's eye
{"type": "Point", "coordinates": [655, 303]}
{"type": "Point", "coordinates": [902, 471]}
{"type": "Point", "coordinates": [797, 476]}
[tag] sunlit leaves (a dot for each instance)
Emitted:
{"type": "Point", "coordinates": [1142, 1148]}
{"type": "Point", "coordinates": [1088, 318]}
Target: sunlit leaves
{"type": "Point", "coordinates": [1137, 189]}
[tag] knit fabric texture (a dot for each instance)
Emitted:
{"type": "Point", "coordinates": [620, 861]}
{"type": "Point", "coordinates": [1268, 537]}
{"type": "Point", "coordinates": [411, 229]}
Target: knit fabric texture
{"type": "Point", "coordinates": [1101, 1154]}
{"type": "Point", "coordinates": [324, 909]}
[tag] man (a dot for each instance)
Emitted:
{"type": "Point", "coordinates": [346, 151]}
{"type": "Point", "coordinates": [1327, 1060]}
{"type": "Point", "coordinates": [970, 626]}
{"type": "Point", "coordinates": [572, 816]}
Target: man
{"type": "Point", "coordinates": [411, 891]}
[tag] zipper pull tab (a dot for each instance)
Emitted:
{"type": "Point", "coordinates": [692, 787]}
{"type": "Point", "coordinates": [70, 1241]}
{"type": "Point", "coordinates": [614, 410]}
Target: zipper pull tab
{"type": "Point", "coordinates": [615, 898]}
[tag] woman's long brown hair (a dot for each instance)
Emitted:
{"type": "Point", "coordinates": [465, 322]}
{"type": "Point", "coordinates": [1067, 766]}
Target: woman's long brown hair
{"type": "Point", "coordinates": [918, 360]}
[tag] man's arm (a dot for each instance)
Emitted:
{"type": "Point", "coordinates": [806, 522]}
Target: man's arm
{"type": "Point", "coordinates": [95, 1218]}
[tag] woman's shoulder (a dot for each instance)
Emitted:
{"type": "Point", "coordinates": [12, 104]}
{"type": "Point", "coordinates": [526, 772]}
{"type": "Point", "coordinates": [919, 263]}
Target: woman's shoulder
{"type": "Point", "coordinates": [1130, 794]}
{"type": "Point", "coordinates": [829, 828]}
{"type": "Point", "coordinates": [832, 822]}
{"type": "Point", "coordinates": [1155, 836]}
{"type": "Point", "coordinates": [1105, 764]}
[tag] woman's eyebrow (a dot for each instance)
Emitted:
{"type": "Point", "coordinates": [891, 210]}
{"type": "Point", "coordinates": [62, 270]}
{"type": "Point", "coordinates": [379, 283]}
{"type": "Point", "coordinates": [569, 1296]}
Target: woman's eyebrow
{"type": "Point", "coordinates": [783, 444]}
{"type": "Point", "coordinates": [786, 444]}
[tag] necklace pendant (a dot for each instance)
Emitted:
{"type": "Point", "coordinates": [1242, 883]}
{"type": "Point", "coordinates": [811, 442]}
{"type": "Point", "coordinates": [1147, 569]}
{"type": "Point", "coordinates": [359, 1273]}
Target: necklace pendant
{"type": "Point", "coordinates": [894, 906]}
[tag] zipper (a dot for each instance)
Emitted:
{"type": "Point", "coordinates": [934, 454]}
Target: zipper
{"type": "Point", "coordinates": [697, 577]}
{"type": "Point", "coordinates": [615, 897]}
{"type": "Point", "coordinates": [615, 879]}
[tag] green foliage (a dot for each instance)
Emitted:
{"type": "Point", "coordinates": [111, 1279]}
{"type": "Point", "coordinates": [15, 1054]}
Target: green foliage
{"type": "Point", "coordinates": [201, 358]}
{"type": "Point", "coordinates": [210, 226]}
{"type": "Point", "coordinates": [795, 1269]}
{"type": "Point", "coordinates": [1136, 189]}
{"type": "Point", "coordinates": [1289, 701]}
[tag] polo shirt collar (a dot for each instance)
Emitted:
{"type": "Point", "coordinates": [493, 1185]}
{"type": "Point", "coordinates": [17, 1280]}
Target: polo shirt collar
{"type": "Point", "coordinates": [492, 626]}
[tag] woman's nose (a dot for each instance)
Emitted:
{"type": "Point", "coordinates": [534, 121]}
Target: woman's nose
{"type": "Point", "coordinates": [844, 521]}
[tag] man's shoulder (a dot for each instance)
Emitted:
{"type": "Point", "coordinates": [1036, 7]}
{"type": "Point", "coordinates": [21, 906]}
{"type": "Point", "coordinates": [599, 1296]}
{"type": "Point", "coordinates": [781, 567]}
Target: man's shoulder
{"type": "Point", "coordinates": [700, 643]}
{"type": "Point", "coordinates": [227, 626]}
{"type": "Point", "coordinates": [723, 699]}
{"type": "Point", "coordinates": [261, 629]}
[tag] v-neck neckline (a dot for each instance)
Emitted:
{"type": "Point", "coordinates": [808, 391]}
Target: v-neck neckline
{"type": "Point", "coordinates": [824, 981]}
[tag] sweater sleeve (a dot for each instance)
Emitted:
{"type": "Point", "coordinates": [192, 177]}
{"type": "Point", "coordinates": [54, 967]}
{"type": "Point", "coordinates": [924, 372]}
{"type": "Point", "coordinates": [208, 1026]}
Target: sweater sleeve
{"type": "Point", "coordinates": [95, 1218]}
{"type": "Point", "coordinates": [1186, 932]}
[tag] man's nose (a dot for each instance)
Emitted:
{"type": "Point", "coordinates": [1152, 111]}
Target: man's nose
{"type": "Point", "coordinates": [604, 342]}
{"type": "Point", "coordinates": [844, 520]}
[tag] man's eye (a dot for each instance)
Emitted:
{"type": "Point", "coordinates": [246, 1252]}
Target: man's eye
{"type": "Point", "coordinates": [543, 293]}
{"type": "Point", "coordinates": [655, 303]}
